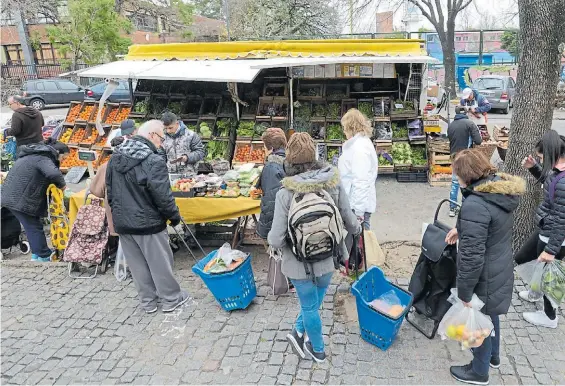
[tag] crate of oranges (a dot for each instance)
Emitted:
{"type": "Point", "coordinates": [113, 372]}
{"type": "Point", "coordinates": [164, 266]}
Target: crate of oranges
{"type": "Point", "coordinates": [249, 153]}
{"type": "Point", "coordinates": [113, 110]}
{"type": "Point", "coordinates": [74, 110]}
{"type": "Point", "coordinates": [125, 109]}
{"type": "Point", "coordinates": [86, 111]}
{"type": "Point", "coordinates": [71, 160]}
{"type": "Point", "coordinates": [77, 135]}
{"type": "Point", "coordinates": [101, 158]}
{"type": "Point", "coordinates": [95, 114]}
{"type": "Point", "coordinates": [90, 136]}
{"type": "Point", "coordinates": [66, 134]}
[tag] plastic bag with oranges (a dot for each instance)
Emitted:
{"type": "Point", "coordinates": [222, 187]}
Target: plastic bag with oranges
{"type": "Point", "coordinates": [467, 325]}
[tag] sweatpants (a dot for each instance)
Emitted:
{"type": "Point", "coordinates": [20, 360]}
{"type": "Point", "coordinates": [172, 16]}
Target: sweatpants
{"type": "Point", "coordinates": [530, 251]}
{"type": "Point", "coordinates": [150, 260]}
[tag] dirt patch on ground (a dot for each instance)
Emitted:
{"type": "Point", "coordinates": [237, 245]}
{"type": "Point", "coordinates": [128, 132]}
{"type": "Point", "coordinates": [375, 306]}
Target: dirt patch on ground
{"type": "Point", "coordinates": [400, 258]}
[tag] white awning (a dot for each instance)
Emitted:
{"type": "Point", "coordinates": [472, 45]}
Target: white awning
{"type": "Point", "coordinates": [296, 62]}
{"type": "Point", "coordinates": [239, 71]}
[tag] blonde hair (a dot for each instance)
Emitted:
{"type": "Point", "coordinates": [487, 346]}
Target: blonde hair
{"type": "Point", "coordinates": [355, 122]}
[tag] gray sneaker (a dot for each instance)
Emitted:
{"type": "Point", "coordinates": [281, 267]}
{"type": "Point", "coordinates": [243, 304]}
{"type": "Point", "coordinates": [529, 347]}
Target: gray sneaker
{"type": "Point", "coordinates": [172, 308]}
{"type": "Point", "coordinates": [296, 342]}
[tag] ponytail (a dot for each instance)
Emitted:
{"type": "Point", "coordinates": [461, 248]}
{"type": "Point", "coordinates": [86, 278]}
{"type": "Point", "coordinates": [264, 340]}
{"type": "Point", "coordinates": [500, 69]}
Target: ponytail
{"type": "Point", "coordinates": [552, 146]}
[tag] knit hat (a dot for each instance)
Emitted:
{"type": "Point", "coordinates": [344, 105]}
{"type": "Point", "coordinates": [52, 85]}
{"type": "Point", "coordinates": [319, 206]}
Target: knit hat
{"type": "Point", "coordinates": [274, 138]}
{"type": "Point", "coordinates": [300, 149]}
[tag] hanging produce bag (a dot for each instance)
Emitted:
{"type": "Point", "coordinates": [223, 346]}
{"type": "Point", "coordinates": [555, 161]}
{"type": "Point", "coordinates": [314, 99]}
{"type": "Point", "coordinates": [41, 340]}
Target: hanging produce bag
{"type": "Point", "coordinates": [467, 325]}
{"type": "Point", "coordinates": [278, 283]}
{"type": "Point", "coordinates": [553, 282]}
{"type": "Point", "coordinates": [531, 273]}
{"type": "Point", "coordinates": [375, 255]}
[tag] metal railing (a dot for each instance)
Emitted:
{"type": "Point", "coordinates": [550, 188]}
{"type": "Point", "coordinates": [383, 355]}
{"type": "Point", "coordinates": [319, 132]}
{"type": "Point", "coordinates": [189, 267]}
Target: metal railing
{"type": "Point", "coordinates": [25, 72]}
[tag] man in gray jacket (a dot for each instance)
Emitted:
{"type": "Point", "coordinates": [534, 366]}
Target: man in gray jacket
{"type": "Point", "coordinates": [183, 147]}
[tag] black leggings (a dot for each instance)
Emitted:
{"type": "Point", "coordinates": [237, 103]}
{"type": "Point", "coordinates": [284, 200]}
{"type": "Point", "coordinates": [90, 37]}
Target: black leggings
{"type": "Point", "coordinates": [530, 251]}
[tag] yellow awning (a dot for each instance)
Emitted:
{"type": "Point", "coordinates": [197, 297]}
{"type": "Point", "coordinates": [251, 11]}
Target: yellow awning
{"type": "Point", "coordinates": [276, 49]}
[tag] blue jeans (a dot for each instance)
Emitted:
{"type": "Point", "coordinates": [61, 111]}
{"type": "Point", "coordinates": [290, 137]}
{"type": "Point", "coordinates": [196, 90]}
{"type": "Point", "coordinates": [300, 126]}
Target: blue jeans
{"type": "Point", "coordinates": [490, 348]}
{"type": "Point", "coordinates": [311, 295]}
{"type": "Point", "coordinates": [454, 194]}
{"type": "Point", "coordinates": [34, 232]}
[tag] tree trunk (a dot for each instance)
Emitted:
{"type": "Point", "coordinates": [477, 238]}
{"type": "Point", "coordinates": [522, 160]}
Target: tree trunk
{"type": "Point", "coordinates": [448, 49]}
{"type": "Point", "coordinates": [541, 25]}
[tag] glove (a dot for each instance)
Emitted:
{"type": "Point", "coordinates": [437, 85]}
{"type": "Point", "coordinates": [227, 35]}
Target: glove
{"type": "Point", "coordinates": [175, 222]}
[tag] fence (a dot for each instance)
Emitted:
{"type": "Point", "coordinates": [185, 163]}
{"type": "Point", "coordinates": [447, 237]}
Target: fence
{"type": "Point", "coordinates": [24, 72]}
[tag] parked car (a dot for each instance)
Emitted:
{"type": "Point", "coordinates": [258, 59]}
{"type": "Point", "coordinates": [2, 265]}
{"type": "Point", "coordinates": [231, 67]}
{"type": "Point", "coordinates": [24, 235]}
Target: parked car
{"type": "Point", "coordinates": [120, 94]}
{"type": "Point", "coordinates": [499, 90]}
{"type": "Point", "coordinates": [41, 92]}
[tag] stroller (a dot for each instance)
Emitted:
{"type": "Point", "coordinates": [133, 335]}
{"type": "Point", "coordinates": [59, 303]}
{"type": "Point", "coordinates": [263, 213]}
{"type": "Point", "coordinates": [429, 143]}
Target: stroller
{"type": "Point", "coordinates": [90, 243]}
{"type": "Point", "coordinates": [12, 232]}
{"type": "Point", "coordinates": [433, 278]}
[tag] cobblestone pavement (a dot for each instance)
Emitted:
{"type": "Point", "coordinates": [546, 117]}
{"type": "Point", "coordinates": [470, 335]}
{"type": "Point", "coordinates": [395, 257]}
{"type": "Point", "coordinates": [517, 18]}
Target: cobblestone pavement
{"type": "Point", "coordinates": [56, 330]}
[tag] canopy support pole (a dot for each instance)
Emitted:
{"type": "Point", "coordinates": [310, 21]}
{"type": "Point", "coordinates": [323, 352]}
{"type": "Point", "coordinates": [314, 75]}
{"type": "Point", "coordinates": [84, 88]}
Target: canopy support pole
{"type": "Point", "coordinates": [236, 104]}
{"type": "Point", "coordinates": [291, 98]}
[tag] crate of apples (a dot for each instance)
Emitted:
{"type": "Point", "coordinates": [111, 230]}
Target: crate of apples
{"type": "Point", "coordinates": [246, 154]}
{"type": "Point", "coordinates": [91, 138]}
{"type": "Point", "coordinates": [93, 119]}
{"type": "Point", "coordinates": [73, 113]}
{"type": "Point", "coordinates": [122, 115]}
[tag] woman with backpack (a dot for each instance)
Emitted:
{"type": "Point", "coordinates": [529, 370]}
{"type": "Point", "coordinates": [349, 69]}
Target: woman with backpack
{"type": "Point", "coordinates": [311, 215]}
{"type": "Point", "coordinates": [548, 240]}
{"type": "Point", "coordinates": [484, 260]}
{"type": "Point", "coordinates": [358, 166]}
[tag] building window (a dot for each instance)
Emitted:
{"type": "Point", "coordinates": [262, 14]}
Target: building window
{"type": "Point", "coordinates": [145, 23]}
{"type": "Point", "coordinates": [14, 53]}
{"type": "Point", "coordinates": [457, 38]}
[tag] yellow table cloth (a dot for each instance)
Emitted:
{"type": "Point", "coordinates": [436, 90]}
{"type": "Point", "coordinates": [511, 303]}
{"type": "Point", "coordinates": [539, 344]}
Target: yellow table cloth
{"type": "Point", "coordinates": [194, 210]}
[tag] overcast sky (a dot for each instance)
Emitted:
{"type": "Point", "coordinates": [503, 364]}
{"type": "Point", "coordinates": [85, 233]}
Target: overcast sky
{"type": "Point", "coordinates": [484, 14]}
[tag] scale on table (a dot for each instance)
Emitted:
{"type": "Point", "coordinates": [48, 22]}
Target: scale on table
{"type": "Point", "coordinates": [89, 156]}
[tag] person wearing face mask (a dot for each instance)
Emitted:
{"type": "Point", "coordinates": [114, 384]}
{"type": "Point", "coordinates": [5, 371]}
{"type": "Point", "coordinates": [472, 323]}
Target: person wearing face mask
{"type": "Point", "coordinates": [183, 147]}
{"type": "Point", "coordinates": [141, 200]}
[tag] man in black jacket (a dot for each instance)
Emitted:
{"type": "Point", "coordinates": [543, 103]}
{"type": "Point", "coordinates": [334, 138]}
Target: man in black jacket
{"type": "Point", "coordinates": [27, 123]}
{"type": "Point", "coordinates": [462, 133]}
{"type": "Point", "coordinates": [140, 197]}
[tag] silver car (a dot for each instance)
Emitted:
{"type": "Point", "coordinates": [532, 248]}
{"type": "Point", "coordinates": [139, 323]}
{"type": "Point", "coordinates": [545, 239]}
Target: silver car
{"type": "Point", "coordinates": [499, 90]}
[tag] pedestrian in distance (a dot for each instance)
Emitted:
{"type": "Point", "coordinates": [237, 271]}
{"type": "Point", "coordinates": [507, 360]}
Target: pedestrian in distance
{"type": "Point", "coordinates": [140, 197]}
{"type": "Point", "coordinates": [27, 123]}
{"type": "Point", "coordinates": [183, 147]}
{"type": "Point", "coordinates": [484, 261]}
{"type": "Point", "coordinates": [24, 192]}
{"type": "Point", "coordinates": [311, 211]}
{"type": "Point", "coordinates": [274, 140]}
{"type": "Point", "coordinates": [548, 240]}
{"type": "Point", "coordinates": [462, 134]}
{"type": "Point", "coordinates": [358, 166]}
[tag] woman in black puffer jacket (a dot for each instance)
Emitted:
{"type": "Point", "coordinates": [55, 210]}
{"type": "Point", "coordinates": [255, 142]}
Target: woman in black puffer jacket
{"type": "Point", "coordinates": [548, 241]}
{"type": "Point", "coordinates": [25, 188]}
{"type": "Point", "coordinates": [484, 261]}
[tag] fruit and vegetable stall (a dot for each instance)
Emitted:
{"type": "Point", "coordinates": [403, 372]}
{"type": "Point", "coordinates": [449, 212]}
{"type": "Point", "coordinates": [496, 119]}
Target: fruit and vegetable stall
{"type": "Point", "coordinates": [231, 92]}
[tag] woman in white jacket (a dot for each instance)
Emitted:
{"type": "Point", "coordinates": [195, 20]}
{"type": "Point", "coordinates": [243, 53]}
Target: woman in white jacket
{"type": "Point", "coordinates": [358, 165]}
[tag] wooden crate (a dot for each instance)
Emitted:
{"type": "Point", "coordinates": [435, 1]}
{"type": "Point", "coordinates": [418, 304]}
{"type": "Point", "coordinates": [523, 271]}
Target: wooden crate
{"type": "Point", "coordinates": [265, 108]}
{"type": "Point", "coordinates": [243, 150]}
{"type": "Point", "coordinates": [310, 90]}
{"type": "Point", "coordinates": [95, 113]}
{"type": "Point", "coordinates": [275, 90]}
{"type": "Point", "coordinates": [438, 182]}
{"type": "Point", "coordinates": [101, 140]}
{"type": "Point", "coordinates": [85, 112]}
{"type": "Point", "coordinates": [337, 91]}
{"type": "Point", "coordinates": [280, 108]}
{"type": "Point", "coordinates": [73, 112]}
{"type": "Point", "coordinates": [66, 133]}
{"type": "Point", "coordinates": [192, 107]}
{"type": "Point", "coordinates": [210, 106]}
{"type": "Point", "coordinates": [78, 134]}
{"type": "Point", "coordinates": [112, 110]}
{"type": "Point", "coordinates": [439, 158]}
{"type": "Point", "coordinates": [89, 137]}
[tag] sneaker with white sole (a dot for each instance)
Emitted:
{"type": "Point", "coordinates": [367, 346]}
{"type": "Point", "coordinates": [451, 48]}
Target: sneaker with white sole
{"type": "Point", "coordinates": [318, 357]}
{"type": "Point", "coordinates": [151, 310]}
{"type": "Point", "coordinates": [527, 296]}
{"type": "Point", "coordinates": [539, 318]}
{"type": "Point", "coordinates": [172, 308]}
{"type": "Point", "coordinates": [296, 342]}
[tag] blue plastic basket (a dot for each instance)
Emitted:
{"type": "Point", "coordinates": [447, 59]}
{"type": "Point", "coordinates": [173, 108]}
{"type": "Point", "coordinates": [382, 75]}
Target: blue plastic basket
{"type": "Point", "coordinates": [378, 328]}
{"type": "Point", "coordinates": [234, 290]}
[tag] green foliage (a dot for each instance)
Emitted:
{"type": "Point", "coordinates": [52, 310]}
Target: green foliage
{"type": "Point", "coordinates": [209, 8]}
{"type": "Point", "coordinates": [91, 32]}
{"type": "Point", "coordinates": [184, 13]}
{"type": "Point", "coordinates": [510, 42]}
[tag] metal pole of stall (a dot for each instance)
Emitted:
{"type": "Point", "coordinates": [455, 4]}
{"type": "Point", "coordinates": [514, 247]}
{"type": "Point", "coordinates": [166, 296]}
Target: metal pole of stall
{"type": "Point", "coordinates": [236, 103]}
{"type": "Point", "coordinates": [291, 98]}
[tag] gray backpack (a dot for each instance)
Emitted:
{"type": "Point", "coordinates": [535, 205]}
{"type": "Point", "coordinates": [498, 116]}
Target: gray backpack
{"type": "Point", "coordinates": [315, 227]}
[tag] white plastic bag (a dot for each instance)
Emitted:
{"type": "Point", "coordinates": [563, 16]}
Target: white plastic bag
{"type": "Point", "coordinates": [467, 325]}
{"type": "Point", "coordinates": [120, 267]}
{"type": "Point", "coordinates": [532, 273]}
